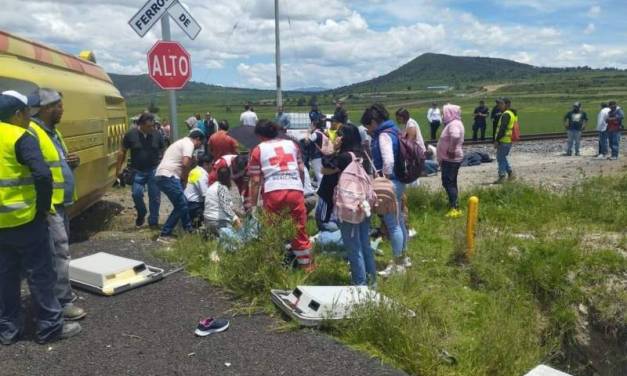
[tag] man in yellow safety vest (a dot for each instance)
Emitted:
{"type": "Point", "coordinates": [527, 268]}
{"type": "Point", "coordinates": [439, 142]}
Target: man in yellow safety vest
{"type": "Point", "coordinates": [503, 142]}
{"type": "Point", "coordinates": [25, 200]}
{"type": "Point", "coordinates": [61, 163]}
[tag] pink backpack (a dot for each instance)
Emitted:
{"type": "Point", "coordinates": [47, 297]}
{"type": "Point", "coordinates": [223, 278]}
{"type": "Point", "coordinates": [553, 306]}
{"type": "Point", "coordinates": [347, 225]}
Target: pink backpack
{"type": "Point", "coordinates": [354, 194]}
{"type": "Point", "coordinates": [327, 146]}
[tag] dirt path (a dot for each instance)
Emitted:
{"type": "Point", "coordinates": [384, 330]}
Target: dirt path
{"type": "Point", "coordinates": [538, 163]}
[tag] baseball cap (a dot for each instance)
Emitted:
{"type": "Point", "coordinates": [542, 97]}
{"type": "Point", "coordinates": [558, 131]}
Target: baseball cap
{"type": "Point", "coordinates": [46, 96]}
{"type": "Point", "coordinates": [12, 101]}
{"type": "Point", "coordinates": [577, 104]}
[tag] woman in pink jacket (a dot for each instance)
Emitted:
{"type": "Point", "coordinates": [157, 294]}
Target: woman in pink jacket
{"type": "Point", "coordinates": [450, 154]}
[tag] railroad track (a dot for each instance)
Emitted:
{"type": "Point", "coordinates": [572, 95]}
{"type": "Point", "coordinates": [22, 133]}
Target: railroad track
{"type": "Point", "coordinates": [534, 137]}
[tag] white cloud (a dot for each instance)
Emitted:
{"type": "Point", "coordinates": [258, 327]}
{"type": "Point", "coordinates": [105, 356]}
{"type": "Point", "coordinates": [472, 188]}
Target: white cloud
{"type": "Point", "coordinates": [325, 43]}
{"type": "Point", "coordinates": [594, 11]}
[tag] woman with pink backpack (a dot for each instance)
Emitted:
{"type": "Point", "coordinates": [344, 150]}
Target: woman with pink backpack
{"type": "Point", "coordinates": [352, 198]}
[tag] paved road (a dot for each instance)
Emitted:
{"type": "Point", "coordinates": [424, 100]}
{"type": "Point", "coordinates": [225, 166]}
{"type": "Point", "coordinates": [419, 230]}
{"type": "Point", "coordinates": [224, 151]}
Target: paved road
{"type": "Point", "coordinates": [149, 331]}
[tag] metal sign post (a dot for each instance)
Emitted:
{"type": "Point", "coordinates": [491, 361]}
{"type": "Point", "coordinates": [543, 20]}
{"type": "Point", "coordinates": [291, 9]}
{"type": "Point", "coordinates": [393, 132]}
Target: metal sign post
{"type": "Point", "coordinates": [174, 129]}
{"type": "Point", "coordinates": [277, 39]}
{"type": "Point", "coordinates": [147, 17]}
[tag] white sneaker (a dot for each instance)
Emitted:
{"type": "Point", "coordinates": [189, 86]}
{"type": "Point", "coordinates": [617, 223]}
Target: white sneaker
{"type": "Point", "coordinates": [613, 158]}
{"type": "Point", "coordinates": [407, 262]}
{"type": "Point", "coordinates": [392, 269]}
{"type": "Point", "coordinates": [374, 244]}
{"type": "Point", "coordinates": [600, 157]}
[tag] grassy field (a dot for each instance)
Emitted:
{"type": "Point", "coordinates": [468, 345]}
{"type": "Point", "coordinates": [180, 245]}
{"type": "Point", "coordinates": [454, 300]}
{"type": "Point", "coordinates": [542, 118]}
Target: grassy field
{"type": "Point", "coordinates": [540, 109]}
{"type": "Point", "coordinates": [547, 283]}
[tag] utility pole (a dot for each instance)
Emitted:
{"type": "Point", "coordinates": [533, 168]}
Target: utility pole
{"type": "Point", "coordinates": [165, 35]}
{"type": "Point", "coordinates": [279, 95]}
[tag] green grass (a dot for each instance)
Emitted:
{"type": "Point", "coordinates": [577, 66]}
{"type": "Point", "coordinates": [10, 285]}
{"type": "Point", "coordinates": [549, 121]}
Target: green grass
{"type": "Point", "coordinates": [539, 112]}
{"type": "Point", "coordinates": [514, 305]}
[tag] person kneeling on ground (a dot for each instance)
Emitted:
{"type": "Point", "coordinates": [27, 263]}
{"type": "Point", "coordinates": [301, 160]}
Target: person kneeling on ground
{"type": "Point", "coordinates": [278, 162]}
{"type": "Point", "coordinates": [171, 177]}
{"type": "Point", "coordinates": [451, 154]}
{"type": "Point", "coordinates": [431, 165]}
{"type": "Point", "coordinates": [219, 204]}
{"type": "Point", "coordinates": [197, 185]}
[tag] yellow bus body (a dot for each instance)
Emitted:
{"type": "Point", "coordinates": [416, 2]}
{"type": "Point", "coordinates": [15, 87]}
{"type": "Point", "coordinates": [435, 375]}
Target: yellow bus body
{"type": "Point", "coordinates": [94, 119]}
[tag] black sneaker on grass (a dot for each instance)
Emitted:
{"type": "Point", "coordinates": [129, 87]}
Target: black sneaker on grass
{"type": "Point", "coordinates": [211, 325]}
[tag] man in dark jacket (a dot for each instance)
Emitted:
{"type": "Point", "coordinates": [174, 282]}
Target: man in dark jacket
{"type": "Point", "coordinates": [340, 113]}
{"type": "Point", "coordinates": [481, 116]}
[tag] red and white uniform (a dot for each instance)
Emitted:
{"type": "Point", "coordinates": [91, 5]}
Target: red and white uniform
{"type": "Point", "coordinates": [278, 162]}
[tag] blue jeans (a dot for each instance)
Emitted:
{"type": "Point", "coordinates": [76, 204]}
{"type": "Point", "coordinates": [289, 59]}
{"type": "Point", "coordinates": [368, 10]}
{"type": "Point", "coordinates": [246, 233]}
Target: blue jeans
{"type": "Point", "coordinates": [614, 138]}
{"type": "Point", "coordinates": [501, 158]}
{"type": "Point", "coordinates": [356, 239]}
{"type": "Point", "coordinates": [430, 167]}
{"type": "Point", "coordinates": [173, 189]}
{"type": "Point", "coordinates": [140, 180]}
{"type": "Point", "coordinates": [395, 223]}
{"type": "Point", "coordinates": [26, 250]}
{"type": "Point", "coordinates": [603, 143]}
{"type": "Point", "coordinates": [574, 138]}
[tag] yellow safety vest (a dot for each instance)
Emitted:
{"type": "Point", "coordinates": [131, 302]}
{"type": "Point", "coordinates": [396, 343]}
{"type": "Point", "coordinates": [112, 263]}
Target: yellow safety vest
{"type": "Point", "coordinates": [17, 188]}
{"type": "Point", "coordinates": [507, 138]}
{"type": "Point", "coordinates": [52, 159]}
{"type": "Point", "coordinates": [194, 175]}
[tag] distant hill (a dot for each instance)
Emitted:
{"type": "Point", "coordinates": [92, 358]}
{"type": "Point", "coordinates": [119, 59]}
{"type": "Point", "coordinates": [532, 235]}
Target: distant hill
{"type": "Point", "coordinates": [427, 70]}
{"type": "Point", "coordinates": [431, 69]}
{"type": "Point", "coordinates": [133, 85]}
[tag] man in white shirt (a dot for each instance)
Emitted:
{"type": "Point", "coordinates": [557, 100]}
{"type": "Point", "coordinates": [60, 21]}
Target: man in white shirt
{"type": "Point", "coordinates": [197, 185]}
{"type": "Point", "coordinates": [434, 116]}
{"type": "Point", "coordinates": [171, 178]}
{"type": "Point", "coordinates": [602, 129]}
{"type": "Point", "coordinates": [248, 117]}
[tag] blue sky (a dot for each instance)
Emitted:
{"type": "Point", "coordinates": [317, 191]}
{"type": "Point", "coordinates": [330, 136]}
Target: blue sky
{"type": "Point", "coordinates": [329, 43]}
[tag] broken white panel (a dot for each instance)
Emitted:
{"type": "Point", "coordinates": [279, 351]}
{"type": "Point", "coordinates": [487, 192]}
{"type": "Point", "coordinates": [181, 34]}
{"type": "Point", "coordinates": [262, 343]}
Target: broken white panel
{"type": "Point", "coordinates": [311, 305]}
{"type": "Point", "coordinates": [543, 370]}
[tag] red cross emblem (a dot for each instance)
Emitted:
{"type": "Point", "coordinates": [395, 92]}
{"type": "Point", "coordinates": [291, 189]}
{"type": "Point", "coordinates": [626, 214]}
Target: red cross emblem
{"type": "Point", "coordinates": [281, 159]}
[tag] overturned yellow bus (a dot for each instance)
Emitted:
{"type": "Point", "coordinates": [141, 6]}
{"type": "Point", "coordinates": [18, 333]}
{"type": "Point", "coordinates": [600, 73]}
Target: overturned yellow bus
{"type": "Point", "coordinates": [94, 119]}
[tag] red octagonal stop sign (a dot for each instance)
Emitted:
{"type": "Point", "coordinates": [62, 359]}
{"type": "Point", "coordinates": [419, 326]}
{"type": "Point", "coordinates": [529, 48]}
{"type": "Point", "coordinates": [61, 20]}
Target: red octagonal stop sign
{"type": "Point", "coordinates": [169, 65]}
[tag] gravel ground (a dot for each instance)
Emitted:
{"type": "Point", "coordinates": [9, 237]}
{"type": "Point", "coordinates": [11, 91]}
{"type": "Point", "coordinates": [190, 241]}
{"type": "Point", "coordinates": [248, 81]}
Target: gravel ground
{"type": "Point", "coordinates": [537, 163]}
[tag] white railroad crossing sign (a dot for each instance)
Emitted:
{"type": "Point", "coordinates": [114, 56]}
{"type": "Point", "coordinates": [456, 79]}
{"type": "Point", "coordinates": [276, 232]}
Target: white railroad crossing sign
{"type": "Point", "coordinates": [152, 12]}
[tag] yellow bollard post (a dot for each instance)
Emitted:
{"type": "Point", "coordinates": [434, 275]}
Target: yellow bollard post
{"type": "Point", "coordinates": [471, 225]}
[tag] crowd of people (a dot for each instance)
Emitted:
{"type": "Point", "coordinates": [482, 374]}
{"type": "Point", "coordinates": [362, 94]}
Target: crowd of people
{"type": "Point", "coordinates": [345, 173]}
